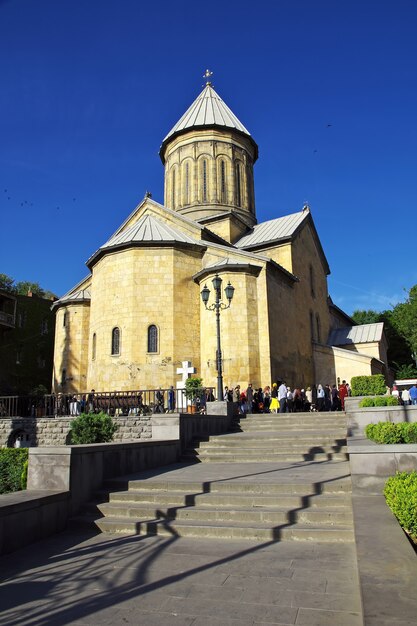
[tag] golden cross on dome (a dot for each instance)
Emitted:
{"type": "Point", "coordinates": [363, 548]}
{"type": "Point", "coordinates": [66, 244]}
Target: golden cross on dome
{"type": "Point", "coordinates": [207, 75]}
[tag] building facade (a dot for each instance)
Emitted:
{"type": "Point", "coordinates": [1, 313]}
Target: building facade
{"type": "Point", "coordinates": [138, 315]}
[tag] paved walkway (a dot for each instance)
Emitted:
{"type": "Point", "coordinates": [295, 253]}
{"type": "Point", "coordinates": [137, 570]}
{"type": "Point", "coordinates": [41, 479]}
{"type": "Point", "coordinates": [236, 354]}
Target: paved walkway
{"type": "Point", "coordinates": [75, 578]}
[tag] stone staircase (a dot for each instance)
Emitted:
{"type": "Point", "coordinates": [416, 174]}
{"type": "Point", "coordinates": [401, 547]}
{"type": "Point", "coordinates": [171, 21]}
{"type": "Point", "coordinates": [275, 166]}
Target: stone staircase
{"type": "Point", "coordinates": [277, 438]}
{"type": "Point", "coordinates": [283, 496]}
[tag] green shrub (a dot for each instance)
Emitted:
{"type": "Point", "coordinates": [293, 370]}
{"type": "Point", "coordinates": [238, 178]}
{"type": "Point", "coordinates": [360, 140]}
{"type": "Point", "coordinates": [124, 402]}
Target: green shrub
{"type": "Point", "coordinates": [92, 428]}
{"type": "Point", "coordinates": [401, 496]}
{"type": "Point", "coordinates": [387, 432]}
{"type": "Point", "coordinates": [24, 475]}
{"type": "Point", "coordinates": [368, 385]}
{"type": "Point", "coordinates": [12, 461]}
{"type": "Point", "coordinates": [383, 432]}
{"type": "Point", "coordinates": [367, 402]}
{"type": "Point", "coordinates": [379, 401]}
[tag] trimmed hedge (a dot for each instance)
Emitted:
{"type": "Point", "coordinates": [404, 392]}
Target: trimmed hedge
{"type": "Point", "coordinates": [13, 469]}
{"type": "Point", "coordinates": [92, 428]}
{"type": "Point", "coordinates": [388, 432]}
{"type": "Point", "coordinates": [379, 401]}
{"type": "Point", "coordinates": [368, 385]}
{"type": "Point", "coordinates": [401, 496]}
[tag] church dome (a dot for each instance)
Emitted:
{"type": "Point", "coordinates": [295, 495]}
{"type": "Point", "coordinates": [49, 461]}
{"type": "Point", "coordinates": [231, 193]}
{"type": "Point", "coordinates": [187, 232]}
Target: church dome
{"type": "Point", "coordinates": [207, 111]}
{"type": "Point", "coordinates": [208, 157]}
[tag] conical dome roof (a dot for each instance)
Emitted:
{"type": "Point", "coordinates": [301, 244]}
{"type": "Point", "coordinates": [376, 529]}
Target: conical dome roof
{"type": "Point", "coordinates": [207, 110]}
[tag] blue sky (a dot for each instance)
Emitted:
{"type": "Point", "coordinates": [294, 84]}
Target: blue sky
{"type": "Point", "coordinates": [327, 88]}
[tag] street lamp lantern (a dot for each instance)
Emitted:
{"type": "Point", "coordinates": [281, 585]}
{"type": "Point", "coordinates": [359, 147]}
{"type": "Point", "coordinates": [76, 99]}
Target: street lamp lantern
{"type": "Point", "coordinates": [205, 295]}
{"type": "Point", "coordinates": [217, 306]}
{"type": "Point", "coordinates": [217, 283]}
{"type": "Point", "coordinates": [229, 291]}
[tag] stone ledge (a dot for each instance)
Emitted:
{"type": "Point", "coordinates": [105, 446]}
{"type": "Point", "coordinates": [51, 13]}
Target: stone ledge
{"type": "Point", "coordinates": [368, 458]}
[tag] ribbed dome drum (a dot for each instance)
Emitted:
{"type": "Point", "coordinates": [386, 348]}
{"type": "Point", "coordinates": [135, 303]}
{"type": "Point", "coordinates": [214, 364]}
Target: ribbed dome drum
{"type": "Point", "coordinates": [208, 157]}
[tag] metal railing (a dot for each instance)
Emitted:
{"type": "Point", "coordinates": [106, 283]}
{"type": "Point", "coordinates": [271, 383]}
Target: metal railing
{"type": "Point", "coordinates": [115, 403]}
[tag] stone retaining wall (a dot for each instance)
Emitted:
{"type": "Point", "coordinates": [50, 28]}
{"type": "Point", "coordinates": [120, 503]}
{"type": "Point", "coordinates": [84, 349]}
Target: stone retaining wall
{"type": "Point", "coordinates": [46, 431]}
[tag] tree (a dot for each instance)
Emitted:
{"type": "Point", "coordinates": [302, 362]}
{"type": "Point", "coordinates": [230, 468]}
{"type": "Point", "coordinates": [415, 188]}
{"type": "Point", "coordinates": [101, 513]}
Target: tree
{"type": "Point", "coordinates": [404, 320]}
{"type": "Point", "coordinates": [366, 317]}
{"type": "Point", "coordinates": [7, 283]}
{"type": "Point", "coordinates": [23, 287]}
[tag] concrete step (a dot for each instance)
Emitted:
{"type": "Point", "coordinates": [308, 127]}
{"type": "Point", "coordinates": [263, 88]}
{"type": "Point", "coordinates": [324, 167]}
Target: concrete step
{"type": "Point", "coordinates": [288, 427]}
{"type": "Point", "coordinates": [340, 486]}
{"type": "Point", "coordinates": [275, 515]}
{"type": "Point", "coordinates": [271, 439]}
{"type": "Point", "coordinates": [237, 530]}
{"type": "Point", "coordinates": [238, 499]}
{"type": "Point", "coordinates": [241, 457]}
{"type": "Point", "coordinates": [268, 447]}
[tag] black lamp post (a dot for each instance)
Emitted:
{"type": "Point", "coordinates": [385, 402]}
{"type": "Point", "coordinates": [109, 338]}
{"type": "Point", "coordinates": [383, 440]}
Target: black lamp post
{"type": "Point", "coordinates": [217, 306]}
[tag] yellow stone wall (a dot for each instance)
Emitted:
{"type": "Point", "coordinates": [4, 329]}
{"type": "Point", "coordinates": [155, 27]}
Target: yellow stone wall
{"type": "Point", "coordinates": [336, 363]}
{"type": "Point", "coordinates": [239, 333]}
{"type": "Point", "coordinates": [134, 289]}
{"type": "Point", "coordinates": [187, 193]}
{"type": "Point", "coordinates": [281, 254]}
{"type": "Point", "coordinates": [294, 322]}
{"type": "Point", "coordinates": [71, 348]}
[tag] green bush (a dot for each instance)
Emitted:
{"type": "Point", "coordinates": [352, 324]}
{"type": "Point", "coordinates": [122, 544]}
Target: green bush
{"type": "Point", "coordinates": [12, 462]}
{"type": "Point", "coordinates": [387, 432]}
{"type": "Point", "coordinates": [24, 475]}
{"type": "Point", "coordinates": [367, 402]}
{"type": "Point", "coordinates": [401, 496]}
{"type": "Point", "coordinates": [92, 428]}
{"type": "Point", "coordinates": [368, 385]}
{"type": "Point", "coordinates": [379, 401]}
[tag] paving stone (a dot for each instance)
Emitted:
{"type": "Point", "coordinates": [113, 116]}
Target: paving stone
{"type": "Point", "coordinates": [307, 617]}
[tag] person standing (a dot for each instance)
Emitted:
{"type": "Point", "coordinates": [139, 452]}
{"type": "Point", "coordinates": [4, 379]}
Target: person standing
{"type": "Point", "coordinates": [171, 400]}
{"type": "Point", "coordinates": [343, 393]}
{"type": "Point", "coordinates": [405, 397]}
{"type": "Point", "coordinates": [282, 397]}
{"type": "Point", "coordinates": [320, 397]}
{"type": "Point", "coordinates": [249, 398]}
{"type": "Point", "coordinates": [273, 405]}
{"type": "Point", "coordinates": [413, 394]}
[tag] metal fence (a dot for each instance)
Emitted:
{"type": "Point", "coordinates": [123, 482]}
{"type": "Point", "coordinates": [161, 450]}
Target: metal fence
{"type": "Point", "coordinates": [116, 403]}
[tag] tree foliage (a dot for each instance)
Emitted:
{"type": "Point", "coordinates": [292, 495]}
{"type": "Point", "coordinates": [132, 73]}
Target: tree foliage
{"type": "Point", "coordinates": [400, 326]}
{"type": "Point", "coordinates": [22, 288]}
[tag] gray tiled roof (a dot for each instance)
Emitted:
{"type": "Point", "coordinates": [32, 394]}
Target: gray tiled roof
{"type": "Point", "coordinates": [364, 333]}
{"type": "Point", "coordinates": [207, 110]}
{"type": "Point", "coordinates": [273, 230]}
{"type": "Point", "coordinates": [148, 229]}
{"type": "Point", "coordinates": [72, 297]}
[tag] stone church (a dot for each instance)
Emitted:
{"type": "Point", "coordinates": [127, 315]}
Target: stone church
{"type": "Point", "coordinates": [139, 315]}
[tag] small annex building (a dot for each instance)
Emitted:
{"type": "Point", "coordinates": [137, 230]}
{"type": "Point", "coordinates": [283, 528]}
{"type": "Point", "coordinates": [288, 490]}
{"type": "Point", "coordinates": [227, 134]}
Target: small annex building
{"type": "Point", "coordinates": [138, 315]}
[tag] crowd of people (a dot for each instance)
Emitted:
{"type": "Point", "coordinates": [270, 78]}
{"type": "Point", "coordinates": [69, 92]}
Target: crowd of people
{"type": "Point", "coordinates": [282, 399]}
{"type": "Point", "coordinates": [405, 396]}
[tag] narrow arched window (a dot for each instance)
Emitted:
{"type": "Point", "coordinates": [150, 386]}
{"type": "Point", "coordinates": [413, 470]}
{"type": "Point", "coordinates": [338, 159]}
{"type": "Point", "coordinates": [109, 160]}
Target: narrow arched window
{"type": "Point", "coordinates": [238, 186]}
{"type": "Point", "coordinates": [173, 189]}
{"type": "Point", "coordinates": [204, 181]}
{"type": "Point", "coordinates": [312, 282]}
{"type": "Point", "coordinates": [115, 341]}
{"type": "Point", "coordinates": [187, 183]}
{"type": "Point", "coordinates": [312, 325]}
{"type": "Point", "coordinates": [63, 377]}
{"type": "Point", "coordinates": [318, 328]}
{"type": "Point", "coordinates": [152, 338]}
{"type": "Point", "coordinates": [223, 181]}
{"type": "Point", "coordinates": [65, 319]}
{"type": "Point", "coordinates": [93, 347]}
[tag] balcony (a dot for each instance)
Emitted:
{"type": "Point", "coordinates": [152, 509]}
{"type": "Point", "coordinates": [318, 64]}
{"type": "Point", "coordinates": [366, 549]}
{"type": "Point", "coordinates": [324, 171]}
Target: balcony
{"type": "Point", "coordinates": [7, 310]}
